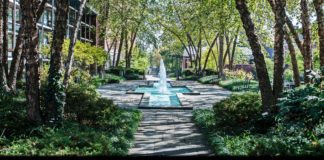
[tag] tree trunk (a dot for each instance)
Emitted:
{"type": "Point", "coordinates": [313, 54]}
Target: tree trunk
{"type": "Point", "coordinates": [233, 53]}
{"type": "Point", "coordinates": [72, 44]}
{"type": "Point", "coordinates": [279, 55]}
{"type": "Point", "coordinates": [17, 63]}
{"type": "Point", "coordinates": [307, 44]}
{"type": "Point", "coordinates": [126, 50]}
{"type": "Point", "coordinates": [54, 108]}
{"type": "Point", "coordinates": [261, 68]}
{"type": "Point", "coordinates": [16, 60]}
{"type": "Point", "coordinates": [3, 78]}
{"type": "Point", "coordinates": [120, 46]}
{"type": "Point", "coordinates": [293, 59]}
{"type": "Point", "coordinates": [208, 53]}
{"type": "Point", "coordinates": [318, 8]}
{"type": "Point", "coordinates": [29, 23]}
{"type": "Point", "coordinates": [133, 38]}
{"type": "Point", "coordinates": [5, 36]}
{"type": "Point", "coordinates": [114, 58]}
{"type": "Point", "coordinates": [220, 55]}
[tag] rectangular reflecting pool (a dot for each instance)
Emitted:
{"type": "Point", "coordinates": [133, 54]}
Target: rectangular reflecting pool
{"type": "Point", "coordinates": [158, 99]}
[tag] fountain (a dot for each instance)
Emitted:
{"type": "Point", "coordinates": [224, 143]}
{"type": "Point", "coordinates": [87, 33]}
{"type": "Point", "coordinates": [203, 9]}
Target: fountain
{"type": "Point", "coordinates": [162, 85]}
{"type": "Point", "coordinates": [162, 94]}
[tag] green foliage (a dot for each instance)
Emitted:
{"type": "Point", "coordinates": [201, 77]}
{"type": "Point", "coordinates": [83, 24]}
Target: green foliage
{"type": "Point", "coordinates": [209, 80]}
{"type": "Point", "coordinates": [102, 128]}
{"type": "Point", "coordinates": [191, 77]}
{"type": "Point", "coordinates": [301, 109]}
{"type": "Point", "coordinates": [238, 110]}
{"type": "Point", "coordinates": [133, 76]}
{"type": "Point", "coordinates": [247, 143]}
{"type": "Point", "coordinates": [84, 53]}
{"type": "Point", "coordinates": [109, 78]}
{"type": "Point", "coordinates": [238, 74]}
{"type": "Point", "coordinates": [72, 138]}
{"type": "Point", "coordinates": [237, 85]}
{"type": "Point", "coordinates": [209, 72]}
{"type": "Point", "coordinates": [129, 73]}
{"type": "Point", "coordinates": [187, 72]}
{"type": "Point", "coordinates": [172, 75]}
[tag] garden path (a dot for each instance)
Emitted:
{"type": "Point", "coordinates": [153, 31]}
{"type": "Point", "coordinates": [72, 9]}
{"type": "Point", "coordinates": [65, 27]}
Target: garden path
{"type": "Point", "coordinates": [167, 132]}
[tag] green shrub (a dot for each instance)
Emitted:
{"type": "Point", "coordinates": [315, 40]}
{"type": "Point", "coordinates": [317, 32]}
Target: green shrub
{"type": "Point", "coordinates": [192, 77]}
{"type": "Point", "coordinates": [246, 143]}
{"type": "Point", "coordinates": [116, 70]}
{"type": "Point", "coordinates": [110, 78]}
{"type": "Point", "coordinates": [133, 76]}
{"type": "Point", "coordinates": [172, 75]}
{"type": "Point", "coordinates": [209, 79]}
{"type": "Point", "coordinates": [237, 85]}
{"type": "Point", "coordinates": [209, 72]}
{"type": "Point", "coordinates": [113, 138]}
{"type": "Point", "coordinates": [301, 109]}
{"type": "Point", "coordinates": [84, 104]}
{"type": "Point", "coordinates": [238, 74]}
{"type": "Point", "coordinates": [187, 72]}
{"type": "Point", "coordinates": [238, 110]}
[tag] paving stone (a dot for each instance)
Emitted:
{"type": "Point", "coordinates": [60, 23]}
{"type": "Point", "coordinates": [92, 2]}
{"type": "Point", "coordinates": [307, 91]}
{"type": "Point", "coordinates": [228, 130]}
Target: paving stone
{"type": "Point", "coordinates": [166, 132]}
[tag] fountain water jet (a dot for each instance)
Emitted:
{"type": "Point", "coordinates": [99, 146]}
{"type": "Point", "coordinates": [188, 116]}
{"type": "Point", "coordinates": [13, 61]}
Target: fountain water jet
{"type": "Point", "coordinates": [162, 85]}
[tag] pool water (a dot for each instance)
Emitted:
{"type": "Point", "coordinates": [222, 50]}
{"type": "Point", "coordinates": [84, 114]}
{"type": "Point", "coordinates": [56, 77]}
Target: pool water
{"type": "Point", "coordinates": [158, 99]}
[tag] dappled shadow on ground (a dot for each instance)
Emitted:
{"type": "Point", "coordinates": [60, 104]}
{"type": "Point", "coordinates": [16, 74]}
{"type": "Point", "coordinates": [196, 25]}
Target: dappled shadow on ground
{"type": "Point", "coordinates": [168, 133]}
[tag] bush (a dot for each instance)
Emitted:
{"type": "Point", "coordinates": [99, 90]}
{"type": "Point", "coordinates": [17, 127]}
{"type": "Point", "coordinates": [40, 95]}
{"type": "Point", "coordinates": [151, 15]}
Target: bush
{"type": "Point", "coordinates": [209, 80]}
{"type": "Point", "coordinates": [238, 74]}
{"type": "Point", "coordinates": [84, 104]}
{"type": "Point", "coordinates": [238, 110]}
{"type": "Point", "coordinates": [172, 75]}
{"type": "Point", "coordinates": [113, 138]}
{"type": "Point", "coordinates": [237, 85]}
{"type": "Point", "coordinates": [116, 70]}
{"type": "Point", "coordinates": [110, 78]}
{"type": "Point", "coordinates": [192, 77]}
{"type": "Point", "coordinates": [133, 76]}
{"type": "Point", "coordinates": [301, 109]}
{"type": "Point", "coordinates": [246, 143]}
{"type": "Point", "coordinates": [209, 72]}
{"type": "Point", "coordinates": [187, 72]}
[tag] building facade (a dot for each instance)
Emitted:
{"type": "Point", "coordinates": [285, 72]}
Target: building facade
{"type": "Point", "coordinates": [87, 32]}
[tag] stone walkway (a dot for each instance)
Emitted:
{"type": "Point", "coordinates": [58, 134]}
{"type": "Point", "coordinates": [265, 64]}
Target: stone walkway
{"type": "Point", "coordinates": [168, 133]}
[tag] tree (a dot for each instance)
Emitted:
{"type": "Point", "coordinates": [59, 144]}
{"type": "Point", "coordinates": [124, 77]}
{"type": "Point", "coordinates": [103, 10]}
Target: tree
{"type": "Point", "coordinates": [17, 63]}
{"type": "Point", "coordinates": [29, 11]}
{"type": "Point", "coordinates": [54, 88]}
{"type": "Point", "coordinates": [3, 77]}
{"type": "Point", "coordinates": [261, 68]}
{"type": "Point", "coordinates": [72, 44]}
{"type": "Point", "coordinates": [307, 44]}
{"type": "Point", "coordinates": [293, 58]}
{"type": "Point", "coordinates": [278, 7]}
{"type": "Point", "coordinates": [5, 36]}
{"type": "Point", "coordinates": [319, 11]}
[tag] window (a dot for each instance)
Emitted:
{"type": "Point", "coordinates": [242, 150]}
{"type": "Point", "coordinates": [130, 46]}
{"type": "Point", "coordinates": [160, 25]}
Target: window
{"type": "Point", "coordinates": [17, 27]}
{"type": "Point", "coordinates": [10, 26]}
{"type": "Point", "coordinates": [72, 17]}
{"type": "Point", "coordinates": [49, 18]}
{"type": "Point", "coordinates": [10, 14]}
{"type": "Point", "coordinates": [10, 41]}
{"type": "Point", "coordinates": [17, 15]}
{"type": "Point", "coordinates": [45, 14]}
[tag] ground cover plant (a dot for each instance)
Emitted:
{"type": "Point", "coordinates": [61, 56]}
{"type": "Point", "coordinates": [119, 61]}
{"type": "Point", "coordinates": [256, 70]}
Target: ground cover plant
{"type": "Point", "coordinates": [93, 126]}
{"type": "Point", "coordinates": [236, 126]}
